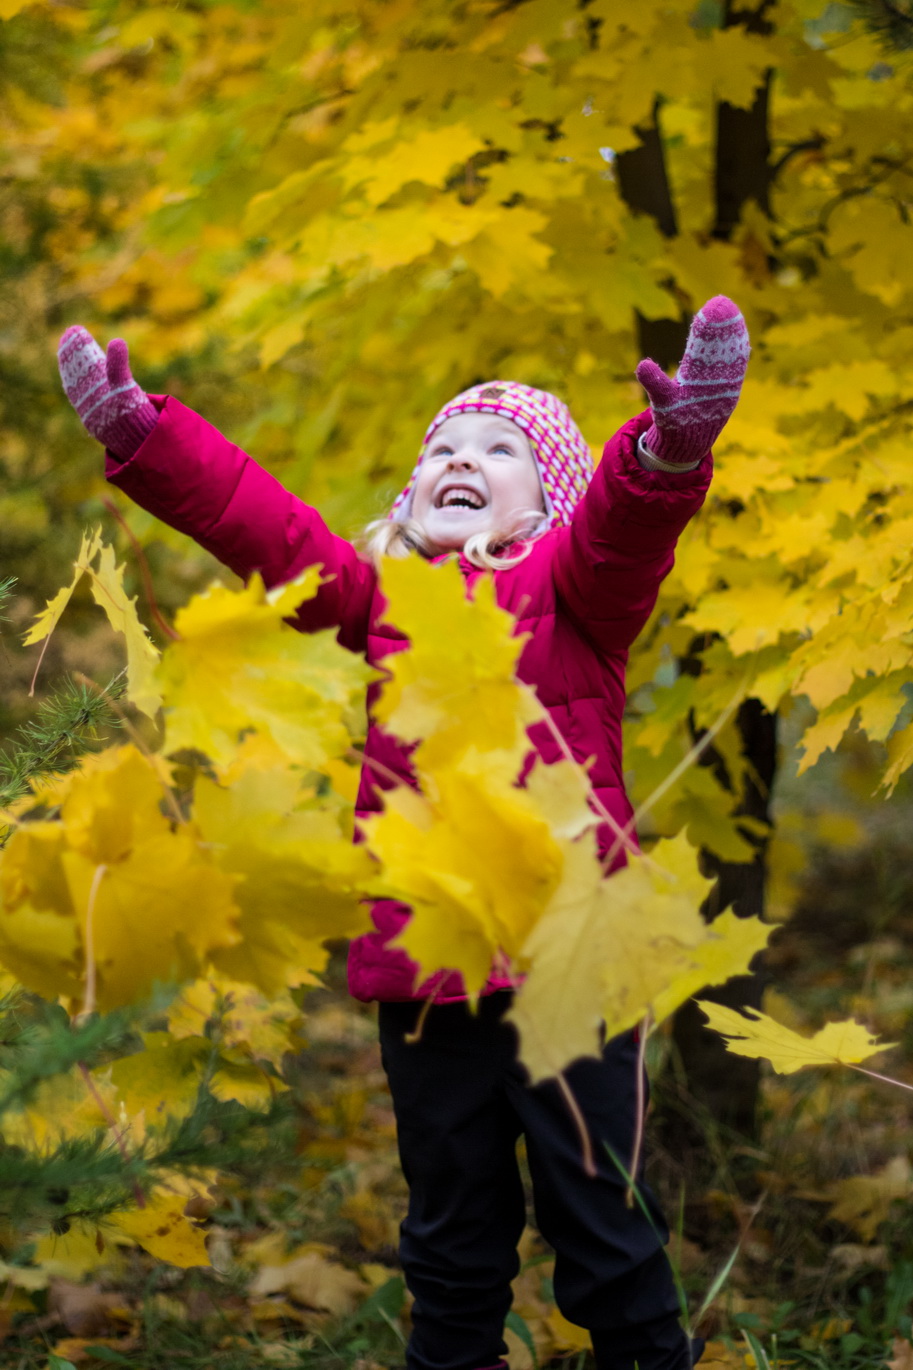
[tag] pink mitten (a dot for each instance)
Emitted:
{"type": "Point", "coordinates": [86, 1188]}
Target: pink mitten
{"type": "Point", "coordinates": [104, 394]}
{"type": "Point", "coordinates": [690, 412]}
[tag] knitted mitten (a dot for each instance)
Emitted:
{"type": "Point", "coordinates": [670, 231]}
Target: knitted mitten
{"type": "Point", "coordinates": [690, 412]}
{"type": "Point", "coordinates": [104, 394]}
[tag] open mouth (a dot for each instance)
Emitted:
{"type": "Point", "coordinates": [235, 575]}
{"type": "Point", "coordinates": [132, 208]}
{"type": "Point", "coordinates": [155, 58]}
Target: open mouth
{"type": "Point", "coordinates": [459, 497]}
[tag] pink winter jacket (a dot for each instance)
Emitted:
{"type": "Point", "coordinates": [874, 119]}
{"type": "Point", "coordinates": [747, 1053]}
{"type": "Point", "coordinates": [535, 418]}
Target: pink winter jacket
{"type": "Point", "coordinates": [583, 594]}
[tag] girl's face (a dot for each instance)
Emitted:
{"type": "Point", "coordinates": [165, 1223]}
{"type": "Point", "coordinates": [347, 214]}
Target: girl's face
{"type": "Point", "coordinates": [478, 472]}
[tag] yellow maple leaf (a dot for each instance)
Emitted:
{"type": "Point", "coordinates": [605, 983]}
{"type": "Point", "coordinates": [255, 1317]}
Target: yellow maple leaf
{"type": "Point", "coordinates": [606, 951]}
{"type": "Point", "coordinates": [864, 1201]}
{"type": "Point", "coordinates": [50, 615]}
{"type": "Point", "coordinates": [59, 1108]}
{"type": "Point", "coordinates": [425, 156]}
{"type": "Point", "coordinates": [75, 1253]}
{"type": "Point", "coordinates": [728, 948]}
{"type": "Point", "coordinates": [759, 1036]}
{"type": "Point", "coordinates": [299, 879]}
{"type": "Point", "coordinates": [306, 1274]}
{"type": "Point", "coordinates": [111, 900]}
{"type": "Point", "coordinates": [108, 592]}
{"type": "Point", "coordinates": [142, 657]}
{"type": "Point", "coordinates": [456, 686]}
{"type": "Point", "coordinates": [477, 862]}
{"type": "Point", "coordinates": [161, 1082]}
{"type": "Point", "coordinates": [111, 802]}
{"type": "Point", "coordinates": [162, 1229]}
{"type": "Point", "coordinates": [508, 252]}
{"type": "Point", "coordinates": [237, 1077]}
{"type": "Point", "coordinates": [238, 666]}
{"type": "Point", "coordinates": [236, 1015]}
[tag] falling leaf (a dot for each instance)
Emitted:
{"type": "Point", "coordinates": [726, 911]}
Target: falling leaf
{"type": "Point", "coordinates": [80, 895]}
{"type": "Point", "coordinates": [239, 666]}
{"type": "Point", "coordinates": [477, 863]}
{"type": "Point", "coordinates": [299, 878]}
{"type": "Point", "coordinates": [605, 952]}
{"type": "Point", "coordinates": [50, 616]}
{"type": "Point", "coordinates": [456, 686]}
{"type": "Point", "coordinates": [142, 657]}
{"type": "Point", "coordinates": [756, 1035]}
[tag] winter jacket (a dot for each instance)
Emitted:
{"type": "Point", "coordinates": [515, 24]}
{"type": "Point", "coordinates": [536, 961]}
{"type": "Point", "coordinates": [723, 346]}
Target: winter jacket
{"type": "Point", "coordinates": [583, 594]}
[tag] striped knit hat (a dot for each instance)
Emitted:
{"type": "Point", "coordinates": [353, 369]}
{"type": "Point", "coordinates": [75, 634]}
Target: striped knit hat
{"type": "Point", "coordinates": [562, 455]}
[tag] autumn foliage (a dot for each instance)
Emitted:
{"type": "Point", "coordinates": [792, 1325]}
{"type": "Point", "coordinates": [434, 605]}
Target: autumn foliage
{"type": "Point", "coordinates": [316, 223]}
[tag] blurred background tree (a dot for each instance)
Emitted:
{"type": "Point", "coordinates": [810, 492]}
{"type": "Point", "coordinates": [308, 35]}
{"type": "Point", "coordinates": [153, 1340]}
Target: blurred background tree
{"type": "Point", "coordinates": [316, 226]}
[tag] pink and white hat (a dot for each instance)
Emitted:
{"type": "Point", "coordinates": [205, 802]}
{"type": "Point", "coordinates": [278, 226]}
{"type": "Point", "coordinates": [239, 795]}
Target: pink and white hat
{"type": "Point", "coordinates": [562, 455]}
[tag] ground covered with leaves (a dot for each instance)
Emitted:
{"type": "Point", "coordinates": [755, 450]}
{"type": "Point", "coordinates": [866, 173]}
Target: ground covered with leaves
{"type": "Point", "coordinates": [803, 1239]}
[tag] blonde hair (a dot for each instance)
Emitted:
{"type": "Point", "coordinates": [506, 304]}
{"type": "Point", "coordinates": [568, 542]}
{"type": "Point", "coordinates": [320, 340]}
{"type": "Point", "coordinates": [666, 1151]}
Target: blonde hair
{"type": "Point", "coordinates": [400, 537]}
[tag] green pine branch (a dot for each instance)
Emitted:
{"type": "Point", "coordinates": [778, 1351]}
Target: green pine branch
{"type": "Point", "coordinates": [64, 727]}
{"type": "Point", "coordinates": [891, 21]}
{"type": "Point", "coordinates": [6, 590]}
{"type": "Point", "coordinates": [88, 1176]}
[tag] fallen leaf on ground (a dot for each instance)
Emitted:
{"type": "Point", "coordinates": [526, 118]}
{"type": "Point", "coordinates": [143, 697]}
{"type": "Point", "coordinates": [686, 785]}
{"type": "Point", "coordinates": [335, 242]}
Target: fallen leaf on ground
{"type": "Point", "coordinates": [84, 1309]}
{"type": "Point", "coordinates": [79, 1350]}
{"type": "Point", "coordinates": [162, 1229]}
{"type": "Point", "coordinates": [312, 1280]}
{"type": "Point", "coordinates": [863, 1202]}
{"type": "Point", "coordinates": [902, 1353]}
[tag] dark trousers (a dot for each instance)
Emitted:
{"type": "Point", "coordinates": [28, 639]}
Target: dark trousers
{"type": "Point", "coordinates": [461, 1102]}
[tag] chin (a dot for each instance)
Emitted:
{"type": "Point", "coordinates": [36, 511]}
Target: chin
{"type": "Point", "coordinates": [453, 539]}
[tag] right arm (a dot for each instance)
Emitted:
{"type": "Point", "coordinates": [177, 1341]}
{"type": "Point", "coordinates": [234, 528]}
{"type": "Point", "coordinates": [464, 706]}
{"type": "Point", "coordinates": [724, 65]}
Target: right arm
{"type": "Point", "coordinates": [178, 467]}
{"type": "Point", "coordinates": [192, 478]}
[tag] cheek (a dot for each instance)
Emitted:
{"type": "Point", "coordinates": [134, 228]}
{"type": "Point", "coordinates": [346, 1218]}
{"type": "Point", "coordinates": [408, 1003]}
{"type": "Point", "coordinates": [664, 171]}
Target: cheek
{"type": "Point", "coordinates": [421, 491]}
{"type": "Point", "coordinates": [526, 490]}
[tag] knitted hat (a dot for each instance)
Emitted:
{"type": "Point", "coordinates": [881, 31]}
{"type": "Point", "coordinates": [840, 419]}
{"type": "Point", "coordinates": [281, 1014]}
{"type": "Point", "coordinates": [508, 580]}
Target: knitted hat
{"type": "Point", "coordinates": [562, 455]}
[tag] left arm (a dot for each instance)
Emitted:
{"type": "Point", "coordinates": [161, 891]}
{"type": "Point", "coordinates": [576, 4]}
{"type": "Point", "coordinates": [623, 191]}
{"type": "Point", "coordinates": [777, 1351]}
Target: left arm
{"type": "Point", "coordinates": [653, 478]}
{"type": "Point", "coordinates": [619, 548]}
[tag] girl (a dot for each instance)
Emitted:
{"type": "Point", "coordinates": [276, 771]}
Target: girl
{"type": "Point", "coordinates": [505, 481]}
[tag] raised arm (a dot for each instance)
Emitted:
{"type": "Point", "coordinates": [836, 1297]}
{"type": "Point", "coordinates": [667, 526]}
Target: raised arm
{"type": "Point", "coordinates": [181, 469]}
{"type": "Point", "coordinates": [652, 479]}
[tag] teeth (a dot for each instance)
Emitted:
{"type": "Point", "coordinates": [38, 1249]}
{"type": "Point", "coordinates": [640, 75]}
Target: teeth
{"type": "Point", "coordinates": [464, 499]}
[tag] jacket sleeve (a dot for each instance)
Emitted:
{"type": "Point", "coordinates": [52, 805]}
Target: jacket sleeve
{"type": "Point", "coordinates": [611, 561]}
{"type": "Point", "coordinates": [192, 478]}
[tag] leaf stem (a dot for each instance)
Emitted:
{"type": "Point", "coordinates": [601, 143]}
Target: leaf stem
{"type": "Point", "coordinates": [641, 1121]}
{"type": "Point", "coordinates": [108, 1116]}
{"type": "Point", "coordinates": [687, 761]}
{"type": "Point", "coordinates": [88, 1006]}
{"type": "Point", "coordinates": [164, 627]}
{"type": "Point", "coordinates": [589, 1163]}
{"type": "Point", "coordinates": [886, 1079]}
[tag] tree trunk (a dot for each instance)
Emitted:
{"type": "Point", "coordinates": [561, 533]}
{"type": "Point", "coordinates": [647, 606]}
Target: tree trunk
{"type": "Point", "coordinates": [645, 189]}
{"type": "Point", "coordinates": [709, 1085]}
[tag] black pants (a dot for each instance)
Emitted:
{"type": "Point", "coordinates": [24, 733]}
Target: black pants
{"type": "Point", "coordinates": [461, 1102]}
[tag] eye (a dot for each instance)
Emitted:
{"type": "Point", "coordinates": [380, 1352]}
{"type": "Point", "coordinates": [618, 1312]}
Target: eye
{"type": "Point", "coordinates": [442, 451]}
{"type": "Point", "coordinates": [503, 447]}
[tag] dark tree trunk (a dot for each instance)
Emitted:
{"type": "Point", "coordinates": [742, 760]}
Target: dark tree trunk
{"type": "Point", "coordinates": [712, 1082]}
{"type": "Point", "coordinates": [645, 189]}
{"type": "Point", "coordinates": [710, 1085]}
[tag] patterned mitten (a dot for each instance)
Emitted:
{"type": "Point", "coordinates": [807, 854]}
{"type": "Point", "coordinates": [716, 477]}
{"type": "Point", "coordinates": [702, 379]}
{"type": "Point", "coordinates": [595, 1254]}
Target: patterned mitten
{"type": "Point", "coordinates": [690, 412]}
{"type": "Point", "coordinates": [104, 394]}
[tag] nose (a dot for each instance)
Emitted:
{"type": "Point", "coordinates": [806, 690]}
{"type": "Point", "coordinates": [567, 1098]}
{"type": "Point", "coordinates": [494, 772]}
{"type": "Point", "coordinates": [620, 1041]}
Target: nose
{"type": "Point", "coordinates": [462, 461]}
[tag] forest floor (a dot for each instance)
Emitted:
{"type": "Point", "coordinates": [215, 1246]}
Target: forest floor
{"type": "Point", "coordinates": [803, 1236]}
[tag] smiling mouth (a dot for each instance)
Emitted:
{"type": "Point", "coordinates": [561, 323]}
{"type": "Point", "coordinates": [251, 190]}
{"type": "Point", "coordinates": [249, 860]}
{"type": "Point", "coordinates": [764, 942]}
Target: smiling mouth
{"type": "Point", "coordinates": [460, 497]}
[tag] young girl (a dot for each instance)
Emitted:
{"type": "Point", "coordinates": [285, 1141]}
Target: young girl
{"type": "Point", "coordinates": [505, 481]}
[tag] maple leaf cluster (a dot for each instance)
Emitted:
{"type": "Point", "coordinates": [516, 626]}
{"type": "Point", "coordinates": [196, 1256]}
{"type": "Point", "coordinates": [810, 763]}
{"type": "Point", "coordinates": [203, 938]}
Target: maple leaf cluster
{"type": "Point", "coordinates": [117, 883]}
